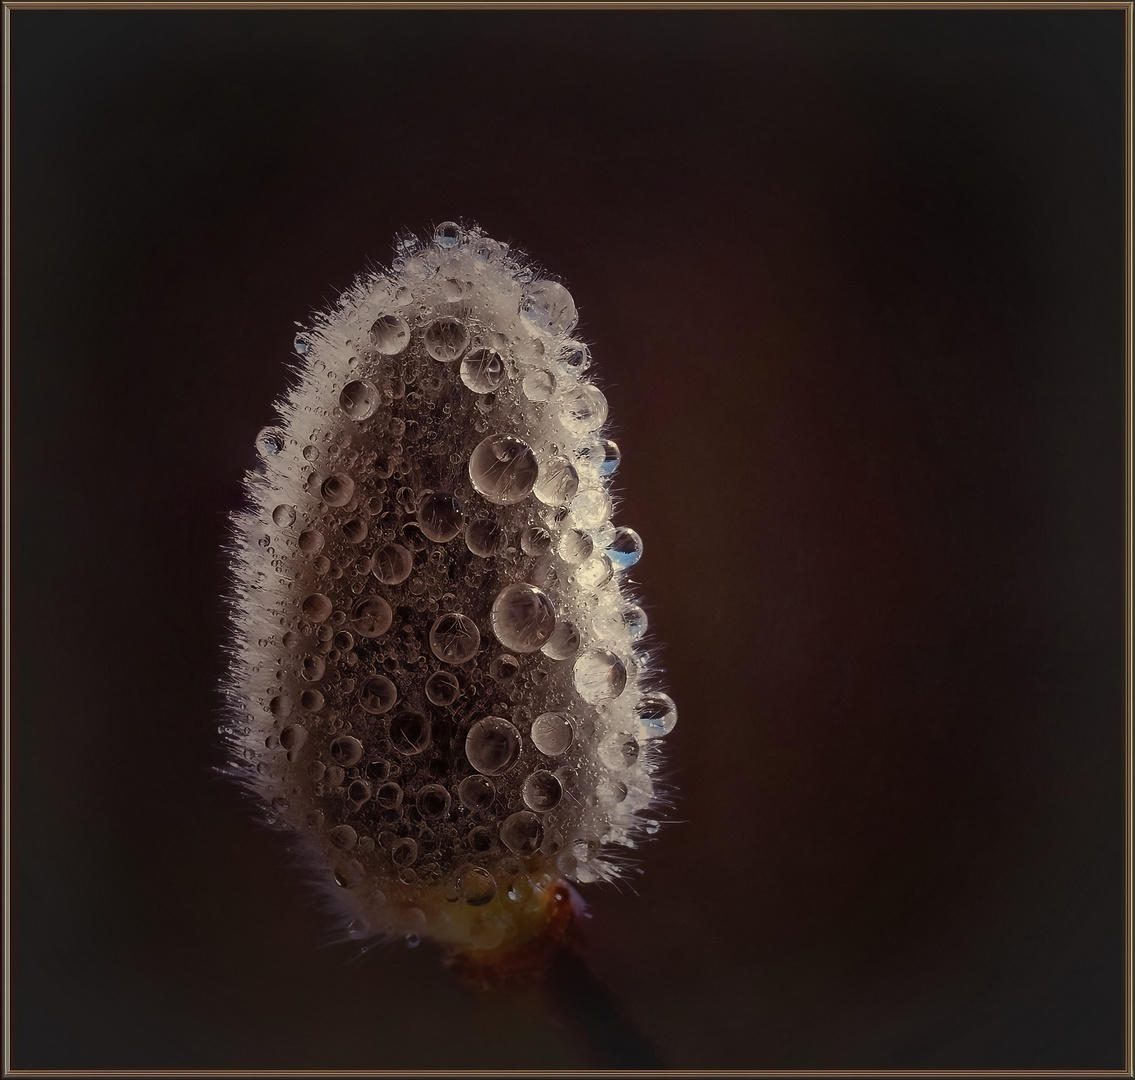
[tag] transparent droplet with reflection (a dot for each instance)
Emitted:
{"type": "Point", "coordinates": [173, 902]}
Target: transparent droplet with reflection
{"type": "Point", "coordinates": [503, 469]}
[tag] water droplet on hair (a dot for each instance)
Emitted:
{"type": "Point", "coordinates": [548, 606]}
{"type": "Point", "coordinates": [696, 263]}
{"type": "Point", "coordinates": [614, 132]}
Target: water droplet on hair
{"type": "Point", "coordinates": [522, 617]}
{"type": "Point", "coordinates": [446, 339]}
{"type": "Point", "coordinates": [503, 469]}
{"type": "Point", "coordinates": [492, 746]}
{"type": "Point", "coordinates": [599, 676]}
{"type": "Point", "coordinates": [439, 516]}
{"type": "Point", "coordinates": [389, 335]}
{"type": "Point", "coordinates": [359, 399]}
{"type": "Point", "coordinates": [483, 370]}
{"type": "Point", "coordinates": [454, 638]}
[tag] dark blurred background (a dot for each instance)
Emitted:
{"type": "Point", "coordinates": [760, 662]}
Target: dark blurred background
{"type": "Point", "coordinates": [855, 286]}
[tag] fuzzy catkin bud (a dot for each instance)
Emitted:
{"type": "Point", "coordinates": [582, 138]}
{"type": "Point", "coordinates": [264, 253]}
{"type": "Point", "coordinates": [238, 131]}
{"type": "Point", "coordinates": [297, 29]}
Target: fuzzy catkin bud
{"type": "Point", "coordinates": [438, 681]}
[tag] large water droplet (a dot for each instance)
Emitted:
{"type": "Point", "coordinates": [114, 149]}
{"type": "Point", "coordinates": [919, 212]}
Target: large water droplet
{"type": "Point", "coordinates": [337, 490]}
{"type": "Point", "coordinates": [284, 516]}
{"type": "Point", "coordinates": [359, 399]}
{"type": "Point", "coordinates": [542, 791]}
{"type": "Point", "coordinates": [483, 370]}
{"type": "Point", "coordinates": [503, 469]}
{"type": "Point", "coordinates": [439, 516]}
{"type": "Point", "coordinates": [392, 564]}
{"type": "Point", "coordinates": [485, 537]}
{"type": "Point", "coordinates": [626, 549]}
{"type": "Point", "coordinates": [521, 833]}
{"type": "Point", "coordinates": [552, 733]}
{"type": "Point", "coordinates": [446, 339]}
{"type": "Point", "coordinates": [371, 617]}
{"type": "Point", "coordinates": [583, 409]}
{"type": "Point", "coordinates": [378, 694]}
{"type": "Point", "coordinates": [442, 689]}
{"type": "Point", "coordinates": [492, 746]}
{"type": "Point", "coordinates": [599, 676]}
{"type": "Point", "coordinates": [454, 638]}
{"type": "Point", "coordinates": [410, 733]}
{"type": "Point", "coordinates": [558, 482]}
{"type": "Point", "coordinates": [476, 792]}
{"type": "Point", "coordinates": [317, 607]}
{"type": "Point", "coordinates": [389, 335]}
{"type": "Point", "coordinates": [477, 886]}
{"type": "Point", "coordinates": [657, 714]}
{"type": "Point", "coordinates": [522, 618]}
{"type": "Point", "coordinates": [548, 306]}
{"type": "Point", "coordinates": [564, 642]}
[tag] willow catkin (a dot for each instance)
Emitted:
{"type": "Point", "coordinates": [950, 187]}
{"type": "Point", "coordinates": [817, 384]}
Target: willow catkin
{"type": "Point", "coordinates": [438, 683]}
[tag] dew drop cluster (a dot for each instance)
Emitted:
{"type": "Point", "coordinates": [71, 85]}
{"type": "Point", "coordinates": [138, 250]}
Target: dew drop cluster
{"type": "Point", "coordinates": [439, 681]}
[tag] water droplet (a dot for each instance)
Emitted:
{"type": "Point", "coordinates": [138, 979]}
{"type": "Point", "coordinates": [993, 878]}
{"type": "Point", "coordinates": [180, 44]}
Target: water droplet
{"type": "Point", "coordinates": [575, 546]}
{"type": "Point", "coordinates": [535, 540]}
{"type": "Point", "coordinates": [392, 564]}
{"type": "Point", "coordinates": [583, 409]}
{"type": "Point", "coordinates": [575, 356]}
{"type": "Point", "coordinates": [619, 751]}
{"type": "Point", "coordinates": [477, 886]}
{"type": "Point", "coordinates": [311, 453]}
{"type": "Point", "coordinates": [442, 689]}
{"type": "Point", "coordinates": [595, 572]}
{"type": "Point", "coordinates": [503, 469]}
{"type": "Point", "coordinates": [293, 737]}
{"type": "Point", "coordinates": [371, 617]}
{"type": "Point", "coordinates": [492, 746]}
{"type": "Point", "coordinates": [485, 537]}
{"type": "Point", "coordinates": [564, 642]}
{"type": "Point", "coordinates": [558, 482]}
{"type": "Point", "coordinates": [446, 339]}
{"type": "Point", "coordinates": [344, 837]}
{"type": "Point", "coordinates": [389, 335]}
{"type": "Point", "coordinates": [284, 516]}
{"type": "Point", "coordinates": [313, 668]}
{"type": "Point", "coordinates": [611, 457]}
{"type": "Point", "coordinates": [634, 619]}
{"type": "Point", "coordinates": [504, 668]}
{"type": "Point", "coordinates": [359, 399]}
{"type": "Point", "coordinates": [542, 791]}
{"type": "Point", "coordinates": [355, 531]}
{"type": "Point", "coordinates": [350, 874]}
{"type": "Point", "coordinates": [302, 345]}
{"type": "Point", "coordinates": [483, 370]}
{"type": "Point", "coordinates": [521, 833]}
{"type": "Point", "coordinates": [337, 490]}
{"type": "Point", "coordinates": [552, 733]}
{"type": "Point", "coordinates": [599, 676]}
{"type": "Point", "coordinates": [378, 694]}
{"type": "Point", "coordinates": [270, 442]}
{"type": "Point", "coordinates": [548, 306]}
{"type": "Point", "coordinates": [522, 618]}
{"type": "Point", "coordinates": [317, 607]}
{"type": "Point", "coordinates": [345, 751]}
{"type": "Point", "coordinates": [591, 509]}
{"type": "Point", "coordinates": [539, 385]}
{"type": "Point", "coordinates": [439, 516]}
{"type": "Point", "coordinates": [657, 714]}
{"type": "Point", "coordinates": [410, 733]}
{"type": "Point", "coordinates": [404, 852]}
{"type": "Point", "coordinates": [626, 549]}
{"type": "Point", "coordinates": [310, 541]}
{"type": "Point", "coordinates": [433, 802]}
{"type": "Point", "coordinates": [476, 792]}
{"type": "Point", "coordinates": [454, 638]}
{"type": "Point", "coordinates": [447, 234]}
{"type": "Point", "coordinates": [389, 796]}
